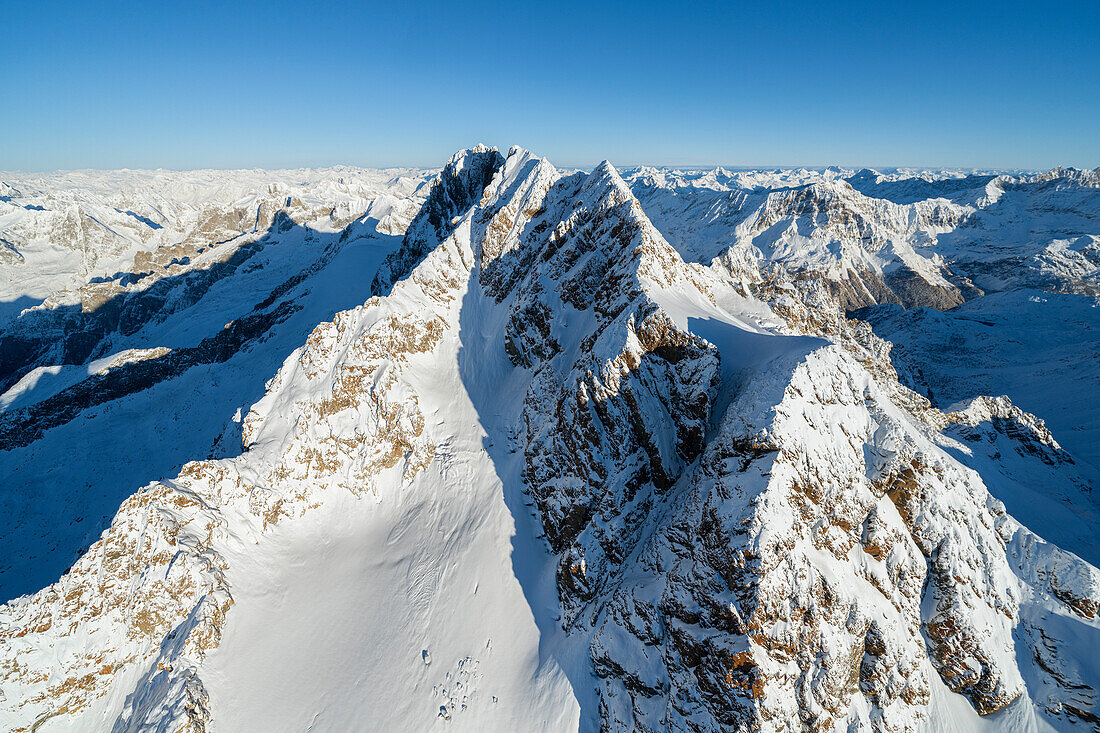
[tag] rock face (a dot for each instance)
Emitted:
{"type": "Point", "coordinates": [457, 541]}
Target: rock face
{"type": "Point", "coordinates": [457, 188]}
{"type": "Point", "coordinates": [743, 519]}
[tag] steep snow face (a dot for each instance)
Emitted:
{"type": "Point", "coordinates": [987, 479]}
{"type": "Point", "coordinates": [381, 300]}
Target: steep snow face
{"type": "Point", "coordinates": [363, 414]}
{"type": "Point", "coordinates": [573, 467]}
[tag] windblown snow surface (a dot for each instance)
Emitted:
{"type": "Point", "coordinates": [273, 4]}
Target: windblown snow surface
{"type": "Point", "coordinates": [501, 447]}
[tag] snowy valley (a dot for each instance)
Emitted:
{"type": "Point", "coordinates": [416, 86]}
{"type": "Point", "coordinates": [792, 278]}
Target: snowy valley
{"type": "Point", "coordinates": [505, 447]}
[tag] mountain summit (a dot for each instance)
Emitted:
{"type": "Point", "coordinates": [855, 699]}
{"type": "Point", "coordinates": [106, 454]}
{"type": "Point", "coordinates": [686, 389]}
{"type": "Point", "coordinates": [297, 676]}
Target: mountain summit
{"type": "Point", "coordinates": [519, 449]}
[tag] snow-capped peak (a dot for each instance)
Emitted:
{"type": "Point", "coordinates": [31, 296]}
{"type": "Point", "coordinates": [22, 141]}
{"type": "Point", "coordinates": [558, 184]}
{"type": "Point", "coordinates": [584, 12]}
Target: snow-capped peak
{"type": "Point", "coordinates": [596, 452]}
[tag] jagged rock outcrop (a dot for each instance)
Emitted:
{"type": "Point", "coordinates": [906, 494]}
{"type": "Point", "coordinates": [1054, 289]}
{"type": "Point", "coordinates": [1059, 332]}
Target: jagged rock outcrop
{"type": "Point", "coordinates": [457, 187]}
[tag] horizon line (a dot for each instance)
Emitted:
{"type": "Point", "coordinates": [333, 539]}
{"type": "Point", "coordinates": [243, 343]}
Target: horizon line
{"type": "Point", "coordinates": [567, 166]}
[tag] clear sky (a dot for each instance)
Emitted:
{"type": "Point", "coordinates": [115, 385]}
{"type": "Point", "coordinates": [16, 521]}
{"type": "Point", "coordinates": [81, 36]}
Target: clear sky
{"type": "Point", "coordinates": [191, 84]}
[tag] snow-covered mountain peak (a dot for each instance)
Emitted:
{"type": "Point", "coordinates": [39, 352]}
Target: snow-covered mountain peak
{"type": "Point", "coordinates": [473, 154]}
{"type": "Point", "coordinates": [606, 180]}
{"type": "Point", "coordinates": [594, 451]}
{"type": "Point", "coordinates": [458, 186]}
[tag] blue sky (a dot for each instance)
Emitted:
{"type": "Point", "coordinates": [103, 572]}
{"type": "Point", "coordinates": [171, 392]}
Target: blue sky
{"type": "Point", "coordinates": [276, 84]}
